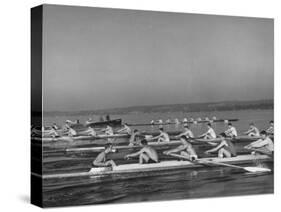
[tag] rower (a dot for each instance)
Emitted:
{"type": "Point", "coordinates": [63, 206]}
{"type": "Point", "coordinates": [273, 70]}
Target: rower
{"type": "Point", "coordinates": [160, 123]}
{"type": "Point", "coordinates": [168, 121]}
{"type": "Point", "coordinates": [210, 134]}
{"type": "Point", "coordinates": [270, 130]}
{"type": "Point", "coordinates": [53, 132]}
{"type": "Point", "coordinates": [55, 126]}
{"type": "Point", "coordinates": [162, 137]}
{"type": "Point", "coordinates": [108, 130]}
{"type": "Point", "coordinates": [91, 131]}
{"type": "Point", "coordinates": [71, 131]}
{"type": "Point", "coordinates": [225, 148]}
{"type": "Point", "coordinates": [263, 145]}
{"type": "Point", "coordinates": [146, 155]}
{"type": "Point", "coordinates": [185, 149]}
{"type": "Point", "coordinates": [101, 160]}
{"type": "Point", "coordinates": [177, 121]}
{"type": "Point", "coordinates": [253, 130]}
{"type": "Point", "coordinates": [126, 129]}
{"type": "Point", "coordinates": [89, 121]}
{"type": "Point", "coordinates": [107, 117]}
{"type": "Point", "coordinates": [186, 132]}
{"type": "Point", "coordinates": [185, 121]}
{"type": "Point", "coordinates": [134, 138]}
{"type": "Point", "coordinates": [231, 131]}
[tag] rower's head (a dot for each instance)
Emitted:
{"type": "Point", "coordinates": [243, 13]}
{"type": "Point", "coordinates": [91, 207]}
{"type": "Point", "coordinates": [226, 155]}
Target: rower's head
{"type": "Point", "coordinates": [125, 125]}
{"type": "Point", "coordinates": [209, 125]}
{"type": "Point", "coordinates": [161, 129]}
{"type": "Point", "coordinates": [252, 124]}
{"type": "Point", "coordinates": [108, 148]}
{"type": "Point", "coordinates": [263, 134]}
{"type": "Point", "coordinates": [229, 125]}
{"type": "Point", "coordinates": [144, 142]}
{"type": "Point", "coordinates": [271, 122]}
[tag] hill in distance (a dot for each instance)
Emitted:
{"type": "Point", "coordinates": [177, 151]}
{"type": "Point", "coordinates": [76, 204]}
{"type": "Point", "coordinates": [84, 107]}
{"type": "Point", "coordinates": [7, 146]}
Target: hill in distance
{"type": "Point", "coordinates": [192, 107]}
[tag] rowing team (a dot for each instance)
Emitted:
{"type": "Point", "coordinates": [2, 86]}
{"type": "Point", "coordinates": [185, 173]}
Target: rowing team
{"type": "Point", "coordinates": [225, 148]}
{"type": "Point", "coordinates": [231, 132]}
{"type": "Point", "coordinates": [185, 120]}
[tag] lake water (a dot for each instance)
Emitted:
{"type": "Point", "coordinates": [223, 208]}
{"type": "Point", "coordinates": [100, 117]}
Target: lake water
{"type": "Point", "coordinates": [176, 184]}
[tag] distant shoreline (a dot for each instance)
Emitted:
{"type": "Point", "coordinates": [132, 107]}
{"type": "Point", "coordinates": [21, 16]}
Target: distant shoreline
{"type": "Point", "coordinates": [192, 107]}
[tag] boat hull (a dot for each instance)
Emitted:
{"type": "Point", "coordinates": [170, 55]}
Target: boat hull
{"type": "Point", "coordinates": [112, 123]}
{"type": "Point", "coordinates": [158, 167]}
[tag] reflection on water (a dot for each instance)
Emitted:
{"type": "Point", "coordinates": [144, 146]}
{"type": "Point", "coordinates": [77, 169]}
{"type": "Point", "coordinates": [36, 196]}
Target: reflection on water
{"type": "Point", "coordinates": [167, 185]}
{"type": "Point", "coordinates": [164, 185]}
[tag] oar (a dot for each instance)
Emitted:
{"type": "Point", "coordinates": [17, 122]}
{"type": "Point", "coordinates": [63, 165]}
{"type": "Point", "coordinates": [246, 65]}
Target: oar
{"type": "Point", "coordinates": [207, 162]}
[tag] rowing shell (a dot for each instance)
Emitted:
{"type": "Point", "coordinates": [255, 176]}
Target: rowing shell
{"type": "Point", "coordinates": [81, 137]}
{"type": "Point", "coordinates": [151, 143]}
{"type": "Point", "coordinates": [152, 167]}
{"type": "Point", "coordinates": [186, 122]}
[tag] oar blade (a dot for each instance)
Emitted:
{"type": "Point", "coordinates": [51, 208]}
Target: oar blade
{"type": "Point", "coordinates": [257, 169]}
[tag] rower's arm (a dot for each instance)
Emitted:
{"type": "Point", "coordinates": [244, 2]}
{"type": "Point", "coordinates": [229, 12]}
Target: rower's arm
{"type": "Point", "coordinates": [178, 149]}
{"type": "Point", "coordinates": [121, 130]}
{"type": "Point", "coordinates": [222, 144]}
{"type": "Point", "coordinates": [156, 137]}
{"type": "Point", "coordinates": [228, 131]}
{"type": "Point", "coordinates": [250, 130]}
{"type": "Point", "coordinates": [260, 143]}
{"type": "Point", "coordinates": [134, 154]}
{"type": "Point", "coordinates": [206, 133]}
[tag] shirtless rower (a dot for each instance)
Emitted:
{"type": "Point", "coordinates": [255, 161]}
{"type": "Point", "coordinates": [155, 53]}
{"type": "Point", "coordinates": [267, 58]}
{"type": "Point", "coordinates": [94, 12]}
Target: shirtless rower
{"type": "Point", "coordinates": [177, 122]}
{"type": "Point", "coordinates": [146, 155]}
{"type": "Point", "coordinates": [270, 130]}
{"type": "Point", "coordinates": [101, 160]}
{"type": "Point", "coordinates": [231, 131]}
{"type": "Point", "coordinates": [210, 134]}
{"type": "Point", "coordinates": [262, 145]}
{"type": "Point", "coordinates": [186, 132]}
{"type": "Point", "coordinates": [108, 130]}
{"type": "Point", "coordinates": [224, 149]}
{"type": "Point", "coordinates": [185, 149]}
{"type": "Point", "coordinates": [55, 126]}
{"type": "Point", "coordinates": [53, 132]}
{"type": "Point", "coordinates": [71, 131]}
{"type": "Point", "coordinates": [126, 129]}
{"type": "Point", "coordinates": [89, 121]}
{"type": "Point", "coordinates": [91, 131]}
{"type": "Point", "coordinates": [134, 138]}
{"type": "Point", "coordinates": [162, 137]}
{"type": "Point", "coordinates": [253, 130]}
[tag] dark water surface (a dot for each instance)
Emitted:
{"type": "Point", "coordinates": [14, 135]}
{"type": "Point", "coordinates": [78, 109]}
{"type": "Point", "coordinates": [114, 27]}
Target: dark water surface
{"type": "Point", "coordinates": [164, 185]}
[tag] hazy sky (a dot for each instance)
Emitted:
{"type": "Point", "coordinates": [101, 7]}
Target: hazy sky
{"type": "Point", "coordinates": [103, 58]}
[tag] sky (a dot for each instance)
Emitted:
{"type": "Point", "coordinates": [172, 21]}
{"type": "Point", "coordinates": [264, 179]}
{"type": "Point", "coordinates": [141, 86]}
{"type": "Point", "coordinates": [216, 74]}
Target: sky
{"type": "Point", "coordinates": [95, 58]}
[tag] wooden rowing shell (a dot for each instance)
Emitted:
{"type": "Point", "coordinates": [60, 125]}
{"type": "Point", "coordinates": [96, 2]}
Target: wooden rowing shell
{"type": "Point", "coordinates": [157, 167]}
